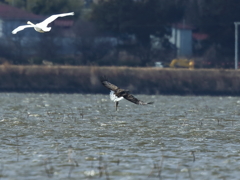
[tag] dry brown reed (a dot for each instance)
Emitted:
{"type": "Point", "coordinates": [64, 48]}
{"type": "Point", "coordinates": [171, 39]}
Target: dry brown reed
{"type": "Point", "coordinates": [85, 79]}
{"type": "Point", "coordinates": [49, 169]}
{"type": "Point", "coordinates": [17, 144]}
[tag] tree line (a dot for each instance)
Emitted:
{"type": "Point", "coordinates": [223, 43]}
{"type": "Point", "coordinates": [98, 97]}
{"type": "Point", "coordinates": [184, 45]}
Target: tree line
{"type": "Point", "coordinates": [122, 32]}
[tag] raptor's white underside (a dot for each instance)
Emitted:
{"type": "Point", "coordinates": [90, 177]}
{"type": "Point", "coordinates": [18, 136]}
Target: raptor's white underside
{"type": "Point", "coordinates": [114, 98]}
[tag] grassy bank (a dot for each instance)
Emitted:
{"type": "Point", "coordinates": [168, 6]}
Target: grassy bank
{"type": "Point", "coordinates": [85, 79]}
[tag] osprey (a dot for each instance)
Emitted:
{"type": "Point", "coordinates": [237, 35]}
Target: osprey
{"type": "Point", "coordinates": [117, 94]}
{"type": "Point", "coordinates": [42, 26]}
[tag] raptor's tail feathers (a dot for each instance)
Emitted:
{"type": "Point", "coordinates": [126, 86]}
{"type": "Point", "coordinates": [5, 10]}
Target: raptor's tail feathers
{"type": "Point", "coordinates": [150, 103]}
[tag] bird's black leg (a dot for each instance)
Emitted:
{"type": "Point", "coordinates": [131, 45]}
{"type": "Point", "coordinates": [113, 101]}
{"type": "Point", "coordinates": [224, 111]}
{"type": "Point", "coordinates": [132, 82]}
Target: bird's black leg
{"type": "Point", "coordinates": [116, 104]}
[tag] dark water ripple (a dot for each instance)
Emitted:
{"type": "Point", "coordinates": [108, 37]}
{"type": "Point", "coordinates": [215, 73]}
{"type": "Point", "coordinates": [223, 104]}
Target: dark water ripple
{"type": "Point", "coordinates": [61, 136]}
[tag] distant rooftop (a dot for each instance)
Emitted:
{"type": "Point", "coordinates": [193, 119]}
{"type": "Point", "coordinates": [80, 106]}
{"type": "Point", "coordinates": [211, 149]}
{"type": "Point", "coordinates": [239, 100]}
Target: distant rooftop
{"type": "Point", "coordinates": [10, 12]}
{"type": "Point", "coordinates": [13, 13]}
{"type": "Point", "coordinates": [200, 36]}
{"type": "Point", "coordinates": [63, 23]}
{"type": "Point", "coordinates": [182, 26]}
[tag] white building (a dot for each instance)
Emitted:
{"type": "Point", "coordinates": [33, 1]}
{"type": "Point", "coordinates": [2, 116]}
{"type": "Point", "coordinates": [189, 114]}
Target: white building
{"type": "Point", "coordinates": [182, 39]}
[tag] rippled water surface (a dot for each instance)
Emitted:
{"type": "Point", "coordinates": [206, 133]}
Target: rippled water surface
{"type": "Point", "coordinates": [75, 136]}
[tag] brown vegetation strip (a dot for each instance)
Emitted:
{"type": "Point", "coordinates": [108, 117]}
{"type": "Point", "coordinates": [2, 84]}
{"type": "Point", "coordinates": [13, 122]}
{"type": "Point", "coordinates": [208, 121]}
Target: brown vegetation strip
{"type": "Point", "coordinates": [85, 79]}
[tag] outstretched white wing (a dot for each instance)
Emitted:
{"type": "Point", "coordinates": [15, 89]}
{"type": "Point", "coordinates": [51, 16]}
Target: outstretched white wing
{"type": "Point", "coordinates": [114, 98]}
{"type": "Point", "coordinates": [20, 28]}
{"type": "Point", "coordinates": [42, 26]}
{"type": "Point", "coordinates": [53, 17]}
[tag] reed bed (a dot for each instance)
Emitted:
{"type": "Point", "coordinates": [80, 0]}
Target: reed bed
{"type": "Point", "coordinates": [85, 79]}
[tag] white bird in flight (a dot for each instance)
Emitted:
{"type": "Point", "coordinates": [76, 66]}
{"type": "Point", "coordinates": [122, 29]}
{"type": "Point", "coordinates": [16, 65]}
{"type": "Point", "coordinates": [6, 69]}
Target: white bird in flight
{"type": "Point", "coordinates": [42, 26]}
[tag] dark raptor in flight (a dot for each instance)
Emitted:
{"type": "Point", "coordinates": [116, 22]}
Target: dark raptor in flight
{"type": "Point", "coordinates": [117, 94]}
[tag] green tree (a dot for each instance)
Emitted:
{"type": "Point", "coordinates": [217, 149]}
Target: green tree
{"type": "Point", "coordinates": [56, 6]}
{"type": "Point", "coordinates": [139, 18]}
{"type": "Point", "coordinates": [17, 3]}
{"type": "Point", "coordinates": [216, 18]}
{"type": "Point", "coordinates": [47, 7]}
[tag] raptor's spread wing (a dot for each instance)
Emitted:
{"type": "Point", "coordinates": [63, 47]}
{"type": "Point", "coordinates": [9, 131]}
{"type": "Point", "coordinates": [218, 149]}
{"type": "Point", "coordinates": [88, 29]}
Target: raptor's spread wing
{"type": "Point", "coordinates": [134, 100]}
{"type": "Point", "coordinates": [109, 85]}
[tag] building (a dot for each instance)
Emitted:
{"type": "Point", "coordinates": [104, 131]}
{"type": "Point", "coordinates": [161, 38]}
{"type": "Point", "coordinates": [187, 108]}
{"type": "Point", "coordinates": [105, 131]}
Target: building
{"type": "Point", "coordinates": [29, 41]}
{"type": "Point", "coordinates": [12, 17]}
{"type": "Point", "coordinates": [182, 39]}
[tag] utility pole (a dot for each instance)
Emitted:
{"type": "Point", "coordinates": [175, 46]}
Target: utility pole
{"type": "Point", "coordinates": [236, 44]}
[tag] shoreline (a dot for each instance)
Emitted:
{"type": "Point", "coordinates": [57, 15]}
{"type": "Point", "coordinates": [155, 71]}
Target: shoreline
{"type": "Point", "coordinates": [139, 80]}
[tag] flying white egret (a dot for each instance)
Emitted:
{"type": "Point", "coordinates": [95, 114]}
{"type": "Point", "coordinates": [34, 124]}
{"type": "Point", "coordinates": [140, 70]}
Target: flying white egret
{"type": "Point", "coordinates": [117, 94]}
{"type": "Point", "coordinates": [42, 26]}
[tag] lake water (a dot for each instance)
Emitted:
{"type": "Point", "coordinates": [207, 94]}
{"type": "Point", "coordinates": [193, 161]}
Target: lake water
{"type": "Point", "coordinates": [76, 136]}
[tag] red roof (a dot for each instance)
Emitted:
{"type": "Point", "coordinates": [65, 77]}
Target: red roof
{"type": "Point", "coordinates": [64, 23]}
{"type": "Point", "coordinates": [199, 36]}
{"type": "Point", "coordinates": [182, 26]}
{"type": "Point", "coordinates": [10, 12]}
